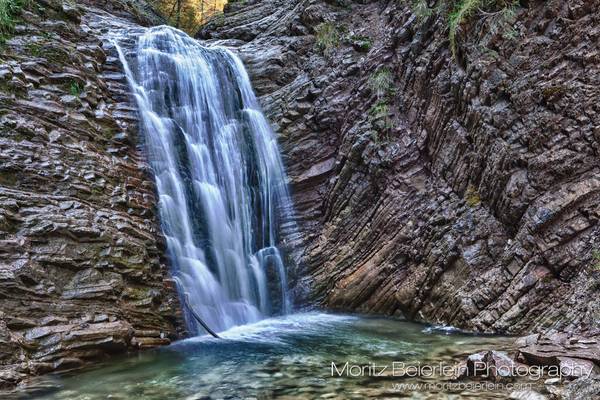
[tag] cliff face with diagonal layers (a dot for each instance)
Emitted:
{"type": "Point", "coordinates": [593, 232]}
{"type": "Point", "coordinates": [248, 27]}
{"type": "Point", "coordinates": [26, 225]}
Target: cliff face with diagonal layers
{"type": "Point", "coordinates": [82, 269]}
{"type": "Point", "coordinates": [460, 190]}
{"type": "Point", "coordinates": [466, 192]}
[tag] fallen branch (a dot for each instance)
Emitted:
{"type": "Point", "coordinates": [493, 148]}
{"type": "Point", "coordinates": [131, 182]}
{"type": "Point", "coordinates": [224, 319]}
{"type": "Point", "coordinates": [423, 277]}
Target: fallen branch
{"type": "Point", "coordinates": [197, 317]}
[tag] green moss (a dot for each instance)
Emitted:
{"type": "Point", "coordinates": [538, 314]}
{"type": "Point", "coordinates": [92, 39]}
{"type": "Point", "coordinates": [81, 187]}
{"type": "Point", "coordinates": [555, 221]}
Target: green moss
{"type": "Point", "coordinates": [75, 89]}
{"type": "Point", "coordinates": [596, 259]}
{"type": "Point", "coordinates": [361, 43]}
{"type": "Point", "coordinates": [553, 92]}
{"type": "Point", "coordinates": [35, 49]}
{"type": "Point", "coordinates": [4, 38]}
{"type": "Point", "coordinates": [472, 196]}
{"type": "Point", "coordinates": [8, 178]}
{"type": "Point", "coordinates": [46, 49]}
{"type": "Point", "coordinates": [136, 293]}
{"type": "Point", "coordinates": [327, 37]}
{"type": "Point", "coordinates": [220, 18]}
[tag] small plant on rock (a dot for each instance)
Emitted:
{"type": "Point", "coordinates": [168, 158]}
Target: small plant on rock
{"type": "Point", "coordinates": [327, 37]}
{"type": "Point", "coordinates": [421, 10]}
{"type": "Point", "coordinates": [75, 89]}
{"type": "Point", "coordinates": [502, 10]}
{"type": "Point", "coordinates": [9, 9]}
{"type": "Point", "coordinates": [379, 115]}
{"type": "Point", "coordinates": [498, 15]}
{"type": "Point", "coordinates": [596, 260]}
{"type": "Point", "coordinates": [361, 43]}
{"type": "Point", "coordinates": [463, 10]}
{"type": "Point", "coordinates": [472, 196]}
{"type": "Point", "coordinates": [381, 83]}
{"type": "Point", "coordinates": [380, 109]}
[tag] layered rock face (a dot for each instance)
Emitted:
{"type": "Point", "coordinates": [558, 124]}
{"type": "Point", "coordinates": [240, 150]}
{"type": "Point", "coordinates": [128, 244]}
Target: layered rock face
{"type": "Point", "coordinates": [82, 272]}
{"type": "Point", "coordinates": [458, 190]}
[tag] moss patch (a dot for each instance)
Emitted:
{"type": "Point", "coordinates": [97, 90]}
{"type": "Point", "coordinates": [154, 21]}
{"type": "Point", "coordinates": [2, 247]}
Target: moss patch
{"type": "Point", "coordinates": [328, 37]}
{"type": "Point", "coordinates": [472, 196]}
{"type": "Point", "coordinates": [596, 260]}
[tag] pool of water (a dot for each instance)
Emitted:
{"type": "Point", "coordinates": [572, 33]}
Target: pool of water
{"type": "Point", "coordinates": [285, 358]}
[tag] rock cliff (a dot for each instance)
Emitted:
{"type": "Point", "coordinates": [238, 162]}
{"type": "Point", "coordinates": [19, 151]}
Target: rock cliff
{"type": "Point", "coordinates": [82, 272]}
{"type": "Point", "coordinates": [460, 190]}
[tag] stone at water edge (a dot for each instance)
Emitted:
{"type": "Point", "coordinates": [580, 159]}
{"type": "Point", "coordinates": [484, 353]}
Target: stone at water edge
{"type": "Point", "coordinates": [493, 365]}
{"type": "Point", "coordinates": [582, 389]}
{"type": "Point", "coordinates": [577, 368]}
{"type": "Point", "coordinates": [547, 349]}
{"type": "Point", "coordinates": [526, 395]}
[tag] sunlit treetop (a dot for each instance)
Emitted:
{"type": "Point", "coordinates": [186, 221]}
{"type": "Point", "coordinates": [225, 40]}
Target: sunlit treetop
{"type": "Point", "coordinates": [189, 15]}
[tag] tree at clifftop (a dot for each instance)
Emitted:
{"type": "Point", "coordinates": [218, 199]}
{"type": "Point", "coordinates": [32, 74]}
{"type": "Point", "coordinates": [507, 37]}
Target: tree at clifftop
{"type": "Point", "coordinates": [188, 15]}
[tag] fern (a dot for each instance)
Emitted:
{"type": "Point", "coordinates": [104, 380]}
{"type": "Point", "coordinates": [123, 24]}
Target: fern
{"type": "Point", "coordinates": [75, 89]}
{"type": "Point", "coordinates": [381, 82]}
{"type": "Point", "coordinates": [8, 10]}
{"type": "Point", "coordinates": [421, 10]}
{"type": "Point", "coordinates": [501, 11]}
{"type": "Point", "coordinates": [327, 37]}
{"type": "Point", "coordinates": [462, 11]}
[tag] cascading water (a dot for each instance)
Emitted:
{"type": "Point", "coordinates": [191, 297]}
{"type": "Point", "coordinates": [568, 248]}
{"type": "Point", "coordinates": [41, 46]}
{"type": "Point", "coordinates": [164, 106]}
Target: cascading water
{"type": "Point", "coordinates": [219, 176]}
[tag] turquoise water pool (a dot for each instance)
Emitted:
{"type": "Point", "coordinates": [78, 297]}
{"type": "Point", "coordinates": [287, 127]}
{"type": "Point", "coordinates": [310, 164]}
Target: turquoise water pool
{"type": "Point", "coordinates": [301, 356]}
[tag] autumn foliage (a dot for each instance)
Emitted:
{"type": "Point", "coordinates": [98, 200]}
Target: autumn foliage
{"type": "Point", "coordinates": [189, 15]}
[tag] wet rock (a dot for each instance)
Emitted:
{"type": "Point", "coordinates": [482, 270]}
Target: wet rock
{"type": "Point", "coordinates": [149, 342]}
{"type": "Point", "coordinates": [582, 389]}
{"type": "Point", "coordinates": [552, 348]}
{"type": "Point", "coordinates": [552, 381]}
{"type": "Point", "coordinates": [576, 368]}
{"type": "Point", "coordinates": [473, 200]}
{"type": "Point", "coordinates": [526, 395]}
{"type": "Point", "coordinates": [493, 365]}
{"type": "Point", "coordinates": [78, 224]}
{"type": "Point", "coordinates": [71, 11]}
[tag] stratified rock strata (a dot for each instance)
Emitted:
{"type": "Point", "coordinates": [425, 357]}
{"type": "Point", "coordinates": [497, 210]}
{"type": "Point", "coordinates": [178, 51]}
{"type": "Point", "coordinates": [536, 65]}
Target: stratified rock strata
{"type": "Point", "coordinates": [461, 191]}
{"type": "Point", "coordinates": [82, 272]}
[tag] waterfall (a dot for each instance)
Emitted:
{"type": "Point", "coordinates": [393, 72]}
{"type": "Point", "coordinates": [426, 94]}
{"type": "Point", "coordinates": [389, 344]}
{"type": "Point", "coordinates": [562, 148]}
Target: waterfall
{"type": "Point", "coordinates": [219, 176]}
